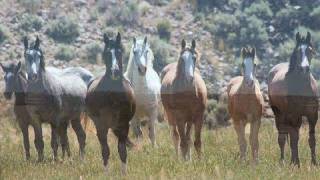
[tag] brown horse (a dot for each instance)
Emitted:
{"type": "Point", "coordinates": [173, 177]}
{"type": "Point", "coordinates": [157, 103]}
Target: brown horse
{"type": "Point", "coordinates": [293, 93]}
{"type": "Point", "coordinates": [245, 104]}
{"type": "Point", "coordinates": [110, 101]}
{"type": "Point", "coordinates": [184, 97]}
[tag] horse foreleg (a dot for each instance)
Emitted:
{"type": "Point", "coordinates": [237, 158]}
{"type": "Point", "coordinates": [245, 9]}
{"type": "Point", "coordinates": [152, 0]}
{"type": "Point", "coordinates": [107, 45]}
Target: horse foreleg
{"type": "Point", "coordinates": [312, 140]}
{"type": "Point", "coordinates": [102, 136]}
{"type": "Point", "coordinates": [38, 140]}
{"type": "Point", "coordinates": [54, 141]}
{"type": "Point", "coordinates": [239, 126]}
{"type": "Point", "coordinates": [188, 134]}
{"type": "Point", "coordinates": [151, 125]}
{"type": "Point", "coordinates": [197, 132]}
{"type": "Point", "coordinates": [175, 138]}
{"type": "Point", "coordinates": [81, 135]}
{"type": "Point", "coordinates": [183, 138]}
{"type": "Point", "coordinates": [26, 143]}
{"type": "Point", "coordinates": [122, 134]}
{"type": "Point", "coordinates": [136, 127]}
{"type": "Point", "coordinates": [254, 138]}
{"type": "Point", "coordinates": [282, 135]}
{"type": "Point", "coordinates": [294, 138]}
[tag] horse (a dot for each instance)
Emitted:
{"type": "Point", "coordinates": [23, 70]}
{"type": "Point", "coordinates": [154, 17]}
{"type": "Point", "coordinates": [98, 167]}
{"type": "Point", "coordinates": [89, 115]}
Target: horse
{"type": "Point", "coordinates": [53, 99]}
{"type": "Point", "coordinates": [184, 98]}
{"type": "Point", "coordinates": [245, 104]}
{"type": "Point", "coordinates": [111, 103]}
{"type": "Point", "coordinates": [293, 93]}
{"type": "Point", "coordinates": [16, 83]}
{"type": "Point", "coordinates": [146, 85]}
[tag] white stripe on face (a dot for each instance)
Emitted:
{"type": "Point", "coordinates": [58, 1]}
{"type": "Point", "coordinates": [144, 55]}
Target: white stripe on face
{"type": "Point", "coordinates": [114, 60]}
{"type": "Point", "coordinates": [248, 69]}
{"type": "Point", "coordinates": [304, 62]}
{"type": "Point", "coordinates": [188, 64]}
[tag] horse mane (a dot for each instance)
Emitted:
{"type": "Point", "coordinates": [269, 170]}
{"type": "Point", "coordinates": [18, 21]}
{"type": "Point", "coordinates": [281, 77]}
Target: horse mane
{"type": "Point", "coordinates": [130, 66]}
{"type": "Point", "coordinates": [293, 61]}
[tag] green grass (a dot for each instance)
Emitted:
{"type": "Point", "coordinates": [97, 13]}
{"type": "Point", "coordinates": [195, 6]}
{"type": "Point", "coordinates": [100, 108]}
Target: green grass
{"type": "Point", "coordinates": [219, 161]}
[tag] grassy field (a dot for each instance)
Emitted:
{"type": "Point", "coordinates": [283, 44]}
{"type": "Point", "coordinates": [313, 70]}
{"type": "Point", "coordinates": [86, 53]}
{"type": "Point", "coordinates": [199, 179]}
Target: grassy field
{"type": "Point", "coordinates": [219, 161]}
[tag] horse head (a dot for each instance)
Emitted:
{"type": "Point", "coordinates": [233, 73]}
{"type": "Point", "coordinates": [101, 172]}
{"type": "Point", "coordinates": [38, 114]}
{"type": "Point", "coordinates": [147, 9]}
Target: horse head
{"type": "Point", "coordinates": [34, 60]}
{"type": "Point", "coordinates": [11, 71]}
{"type": "Point", "coordinates": [302, 54]}
{"type": "Point", "coordinates": [140, 55]}
{"type": "Point", "coordinates": [187, 60]}
{"type": "Point", "coordinates": [248, 65]}
{"type": "Point", "coordinates": [112, 56]}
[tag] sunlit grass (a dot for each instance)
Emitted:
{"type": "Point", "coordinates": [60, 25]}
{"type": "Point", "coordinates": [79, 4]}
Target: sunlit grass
{"type": "Point", "coordinates": [219, 160]}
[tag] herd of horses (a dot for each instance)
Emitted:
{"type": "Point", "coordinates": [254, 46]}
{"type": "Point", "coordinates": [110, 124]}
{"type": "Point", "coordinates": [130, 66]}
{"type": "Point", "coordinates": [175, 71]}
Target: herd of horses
{"type": "Point", "coordinates": [118, 101]}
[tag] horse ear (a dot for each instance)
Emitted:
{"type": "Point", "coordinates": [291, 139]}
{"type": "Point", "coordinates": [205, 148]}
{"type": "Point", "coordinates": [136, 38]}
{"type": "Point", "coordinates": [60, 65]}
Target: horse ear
{"type": "Point", "coordinates": [134, 40]}
{"type": "Point", "coordinates": [308, 39]}
{"type": "Point", "coordinates": [2, 66]}
{"type": "Point", "coordinates": [145, 40]}
{"type": "Point", "coordinates": [253, 52]}
{"type": "Point", "coordinates": [183, 44]}
{"type": "Point", "coordinates": [37, 43]}
{"type": "Point", "coordinates": [25, 42]}
{"type": "Point", "coordinates": [118, 39]}
{"type": "Point", "coordinates": [193, 44]}
{"type": "Point", "coordinates": [18, 67]}
{"type": "Point", "coordinates": [298, 37]}
{"type": "Point", "coordinates": [243, 52]}
{"type": "Point", "coordinates": [105, 39]}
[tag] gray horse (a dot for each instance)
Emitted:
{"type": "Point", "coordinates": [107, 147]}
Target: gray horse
{"type": "Point", "coordinates": [16, 83]}
{"type": "Point", "coordinates": [55, 99]}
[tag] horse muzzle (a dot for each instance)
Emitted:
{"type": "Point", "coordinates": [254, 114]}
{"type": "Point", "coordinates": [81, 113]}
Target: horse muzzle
{"type": "Point", "coordinates": [142, 70]}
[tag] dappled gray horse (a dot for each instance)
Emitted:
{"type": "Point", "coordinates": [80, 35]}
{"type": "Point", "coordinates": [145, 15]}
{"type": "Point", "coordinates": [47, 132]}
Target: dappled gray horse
{"type": "Point", "coordinates": [54, 99]}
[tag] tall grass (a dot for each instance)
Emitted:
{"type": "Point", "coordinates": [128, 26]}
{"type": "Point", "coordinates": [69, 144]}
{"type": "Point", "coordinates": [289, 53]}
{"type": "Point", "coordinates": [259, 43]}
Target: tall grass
{"type": "Point", "coordinates": [219, 161]}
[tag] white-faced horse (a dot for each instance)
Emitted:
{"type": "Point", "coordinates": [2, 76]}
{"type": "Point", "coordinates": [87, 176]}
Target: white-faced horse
{"type": "Point", "coordinates": [146, 85]}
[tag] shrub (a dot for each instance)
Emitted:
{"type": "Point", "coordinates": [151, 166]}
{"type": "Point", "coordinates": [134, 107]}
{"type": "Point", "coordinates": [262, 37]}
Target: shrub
{"type": "Point", "coordinates": [261, 10]}
{"type": "Point", "coordinates": [4, 33]}
{"type": "Point", "coordinates": [31, 5]}
{"type": "Point", "coordinates": [160, 50]}
{"type": "Point", "coordinates": [65, 29]}
{"type": "Point", "coordinates": [94, 15]}
{"type": "Point", "coordinates": [127, 14]}
{"type": "Point", "coordinates": [287, 19]}
{"type": "Point", "coordinates": [159, 2]}
{"type": "Point", "coordinates": [31, 22]}
{"type": "Point", "coordinates": [285, 50]}
{"type": "Point", "coordinates": [65, 53]}
{"type": "Point", "coordinates": [164, 29]}
{"type": "Point", "coordinates": [93, 50]}
{"type": "Point", "coordinates": [315, 14]}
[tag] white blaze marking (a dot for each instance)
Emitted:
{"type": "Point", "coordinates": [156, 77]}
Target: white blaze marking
{"type": "Point", "coordinates": [114, 60]}
{"type": "Point", "coordinates": [188, 63]}
{"type": "Point", "coordinates": [304, 62]}
{"type": "Point", "coordinates": [248, 68]}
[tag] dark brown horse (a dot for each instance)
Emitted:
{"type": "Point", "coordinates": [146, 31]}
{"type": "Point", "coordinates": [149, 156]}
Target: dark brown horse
{"type": "Point", "coordinates": [184, 98]}
{"type": "Point", "coordinates": [110, 101]}
{"type": "Point", "coordinates": [293, 94]}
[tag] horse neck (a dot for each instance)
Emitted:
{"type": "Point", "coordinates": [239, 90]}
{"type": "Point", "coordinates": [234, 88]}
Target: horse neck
{"type": "Point", "coordinates": [20, 88]}
{"type": "Point", "coordinates": [244, 89]}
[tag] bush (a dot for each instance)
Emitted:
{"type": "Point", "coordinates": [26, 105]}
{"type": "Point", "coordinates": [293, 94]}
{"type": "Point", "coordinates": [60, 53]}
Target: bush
{"type": "Point", "coordinates": [31, 5]}
{"type": "Point", "coordinates": [159, 2]}
{"type": "Point", "coordinates": [65, 29]}
{"type": "Point", "coordinates": [127, 14]}
{"type": "Point", "coordinates": [160, 50]}
{"type": "Point", "coordinates": [93, 50]}
{"type": "Point", "coordinates": [31, 22]}
{"type": "Point", "coordinates": [285, 50]}
{"type": "Point", "coordinates": [65, 53]}
{"type": "Point", "coordinates": [4, 33]}
{"type": "Point", "coordinates": [164, 29]}
{"type": "Point", "coordinates": [261, 10]}
{"type": "Point", "coordinates": [315, 14]}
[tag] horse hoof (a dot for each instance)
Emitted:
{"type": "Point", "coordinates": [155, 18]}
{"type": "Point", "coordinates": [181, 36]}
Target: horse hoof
{"type": "Point", "coordinates": [314, 163]}
{"type": "Point", "coordinates": [106, 170]}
